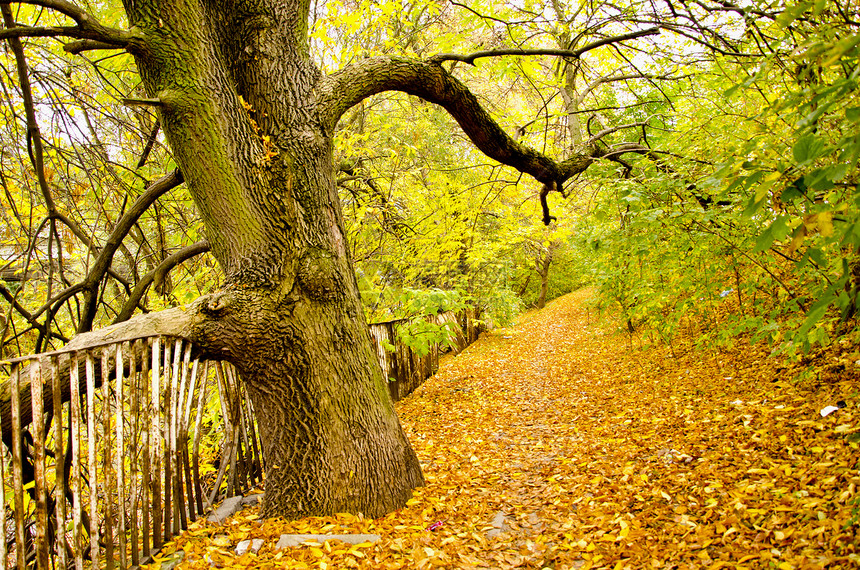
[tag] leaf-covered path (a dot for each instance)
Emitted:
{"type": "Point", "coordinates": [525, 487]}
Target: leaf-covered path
{"type": "Point", "coordinates": [554, 445]}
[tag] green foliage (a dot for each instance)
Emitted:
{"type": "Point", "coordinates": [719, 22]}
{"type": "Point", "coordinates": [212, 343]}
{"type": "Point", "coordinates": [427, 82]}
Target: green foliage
{"type": "Point", "coordinates": [420, 330]}
{"type": "Point", "coordinates": [421, 335]}
{"type": "Point", "coordinates": [753, 229]}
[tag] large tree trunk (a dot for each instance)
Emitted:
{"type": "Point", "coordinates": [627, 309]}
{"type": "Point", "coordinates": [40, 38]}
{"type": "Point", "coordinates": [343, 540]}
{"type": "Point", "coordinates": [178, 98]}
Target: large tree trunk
{"type": "Point", "coordinates": [237, 106]}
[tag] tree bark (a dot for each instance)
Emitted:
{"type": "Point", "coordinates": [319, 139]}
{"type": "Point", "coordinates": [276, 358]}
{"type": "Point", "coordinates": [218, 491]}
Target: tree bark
{"type": "Point", "coordinates": [238, 108]}
{"type": "Point", "coordinates": [543, 270]}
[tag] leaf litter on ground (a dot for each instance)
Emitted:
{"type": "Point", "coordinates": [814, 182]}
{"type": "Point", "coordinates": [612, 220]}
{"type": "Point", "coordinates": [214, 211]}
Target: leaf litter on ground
{"type": "Point", "coordinates": [555, 444]}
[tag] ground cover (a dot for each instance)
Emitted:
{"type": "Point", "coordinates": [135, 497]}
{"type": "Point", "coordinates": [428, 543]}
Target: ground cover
{"type": "Point", "coordinates": [557, 444]}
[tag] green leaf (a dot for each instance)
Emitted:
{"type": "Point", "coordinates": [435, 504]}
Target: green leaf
{"type": "Point", "coordinates": [764, 241]}
{"type": "Point", "coordinates": [807, 148]}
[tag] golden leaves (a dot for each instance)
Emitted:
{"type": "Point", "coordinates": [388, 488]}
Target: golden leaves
{"type": "Point", "coordinates": [583, 454]}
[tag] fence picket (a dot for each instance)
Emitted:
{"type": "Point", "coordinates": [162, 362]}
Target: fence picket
{"type": "Point", "coordinates": [155, 445]}
{"type": "Point", "coordinates": [187, 398]}
{"type": "Point", "coordinates": [59, 465]}
{"type": "Point", "coordinates": [75, 425]}
{"type": "Point", "coordinates": [170, 426]}
{"type": "Point", "coordinates": [167, 456]}
{"type": "Point", "coordinates": [120, 457]}
{"type": "Point", "coordinates": [91, 456]}
{"type": "Point", "coordinates": [201, 403]}
{"type": "Point", "coordinates": [227, 445]}
{"type": "Point", "coordinates": [17, 471]}
{"type": "Point", "coordinates": [107, 473]}
{"type": "Point", "coordinates": [4, 551]}
{"type": "Point", "coordinates": [145, 449]}
{"type": "Point", "coordinates": [134, 447]}
{"type": "Point", "coordinates": [40, 543]}
{"type": "Point", "coordinates": [180, 373]}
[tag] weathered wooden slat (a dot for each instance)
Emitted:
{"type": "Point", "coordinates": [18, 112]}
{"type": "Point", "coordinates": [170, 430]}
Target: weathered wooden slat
{"type": "Point", "coordinates": [245, 453]}
{"type": "Point", "coordinates": [201, 403]}
{"type": "Point", "coordinates": [37, 427]}
{"type": "Point", "coordinates": [155, 445]}
{"type": "Point", "coordinates": [227, 445]}
{"type": "Point", "coordinates": [59, 465]}
{"type": "Point", "coordinates": [232, 482]}
{"type": "Point", "coordinates": [145, 451]}
{"type": "Point", "coordinates": [257, 459]}
{"type": "Point", "coordinates": [134, 453]}
{"type": "Point", "coordinates": [183, 355]}
{"type": "Point", "coordinates": [92, 442]}
{"type": "Point", "coordinates": [109, 513]}
{"type": "Point", "coordinates": [17, 470]}
{"type": "Point", "coordinates": [167, 455]}
{"type": "Point", "coordinates": [232, 398]}
{"type": "Point", "coordinates": [186, 464]}
{"type": "Point", "coordinates": [4, 549]}
{"type": "Point", "coordinates": [119, 418]}
{"type": "Point", "coordinates": [178, 508]}
{"type": "Point", "coordinates": [77, 498]}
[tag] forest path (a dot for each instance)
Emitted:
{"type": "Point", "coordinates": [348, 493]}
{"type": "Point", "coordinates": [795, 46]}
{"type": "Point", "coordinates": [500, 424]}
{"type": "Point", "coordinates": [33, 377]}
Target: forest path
{"type": "Point", "coordinates": [553, 444]}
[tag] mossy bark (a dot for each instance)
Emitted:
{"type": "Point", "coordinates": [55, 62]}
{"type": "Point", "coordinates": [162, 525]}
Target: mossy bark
{"type": "Point", "coordinates": [238, 110]}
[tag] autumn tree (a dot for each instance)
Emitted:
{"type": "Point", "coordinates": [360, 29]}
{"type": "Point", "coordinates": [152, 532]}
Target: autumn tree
{"type": "Point", "coordinates": [250, 120]}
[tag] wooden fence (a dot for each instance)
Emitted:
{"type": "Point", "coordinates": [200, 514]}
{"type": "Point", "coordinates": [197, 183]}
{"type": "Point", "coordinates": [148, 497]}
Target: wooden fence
{"type": "Point", "coordinates": [407, 370]}
{"type": "Point", "coordinates": [106, 478]}
{"type": "Point", "coordinates": [115, 452]}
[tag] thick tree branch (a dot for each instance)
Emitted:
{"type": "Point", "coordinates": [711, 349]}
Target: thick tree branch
{"type": "Point", "coordinates": [80, 46]}
{"type": "Point", "coordinates": [429, 81]}
{"type": "Point", "coordinates": [470, 58]}
{"type": "Point", "coordinates": [88, 27]}
{"type": "Point", "coordinates": [105, 257]}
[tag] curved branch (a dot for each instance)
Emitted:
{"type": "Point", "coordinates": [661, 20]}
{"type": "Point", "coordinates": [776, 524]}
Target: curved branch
{"type": "Point", "coordinates": [28, 316]}
{"type": "Point", "coordinates": [577, 53]}
{"type": "Point", "coordinates": [608, 131]}
{"type": "Point", "coordinates": [103, 260]}
{"type": "Point", "coordinates": [88, 27]}
{"type": "Point", "coordinates": [626, 77]}
{"type": "Point", "coordinates": [157, 276]}
{"type": "Point", "coordinates": [429, 81]}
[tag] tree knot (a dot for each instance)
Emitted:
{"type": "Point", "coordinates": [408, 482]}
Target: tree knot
{"type": "Point", "coordinates": [318, 275]}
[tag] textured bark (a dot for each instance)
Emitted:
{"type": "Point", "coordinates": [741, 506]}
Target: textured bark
{"type": "Point", "coordinates": [239, 109]}
{"type": "Point", "coordinates": [543, 270]}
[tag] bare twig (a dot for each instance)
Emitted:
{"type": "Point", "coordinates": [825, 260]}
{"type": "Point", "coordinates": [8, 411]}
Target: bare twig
{"type": "Point", "coordinates": [470, 58]}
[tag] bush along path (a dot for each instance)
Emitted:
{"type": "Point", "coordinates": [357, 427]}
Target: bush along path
{"type": "Point", "coordinates": [553, 444]}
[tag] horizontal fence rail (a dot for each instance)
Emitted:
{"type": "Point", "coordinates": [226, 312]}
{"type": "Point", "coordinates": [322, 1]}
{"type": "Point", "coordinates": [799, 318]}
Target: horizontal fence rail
{"type": "Point", "coordinates": [122, 445]}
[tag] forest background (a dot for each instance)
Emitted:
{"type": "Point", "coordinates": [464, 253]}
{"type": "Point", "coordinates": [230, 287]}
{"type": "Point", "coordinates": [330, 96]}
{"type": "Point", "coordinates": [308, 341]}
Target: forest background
{"type": "Point", "coordinates": [725, 199]}
{"type": "Point", "coordinates": [694, 161]}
